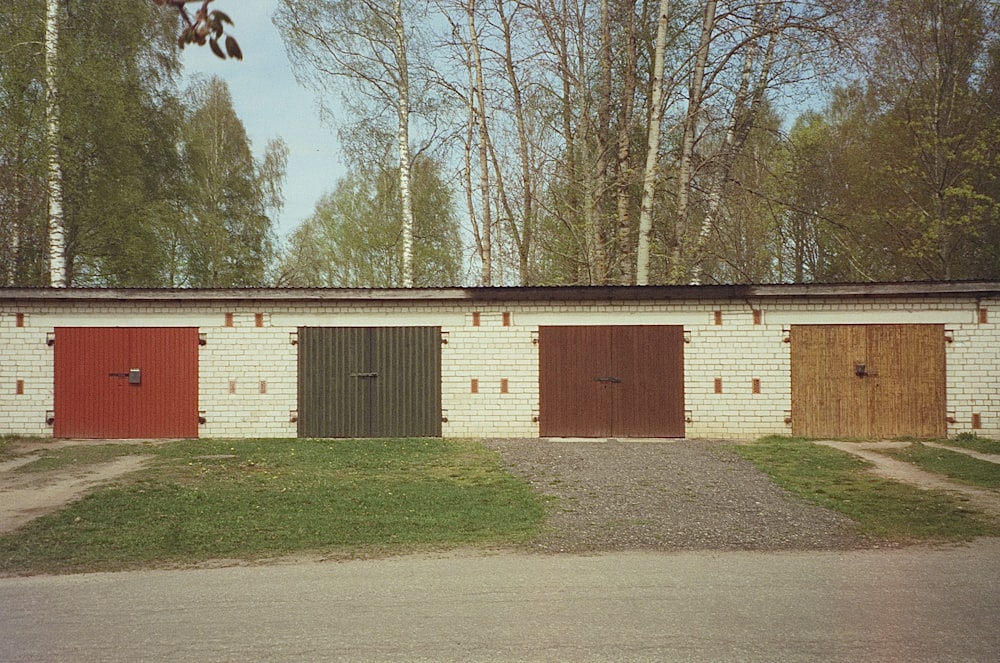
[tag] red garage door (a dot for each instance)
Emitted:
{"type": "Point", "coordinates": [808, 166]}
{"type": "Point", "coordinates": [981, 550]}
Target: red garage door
{"type": "Point", "coordinates": [126, 382]}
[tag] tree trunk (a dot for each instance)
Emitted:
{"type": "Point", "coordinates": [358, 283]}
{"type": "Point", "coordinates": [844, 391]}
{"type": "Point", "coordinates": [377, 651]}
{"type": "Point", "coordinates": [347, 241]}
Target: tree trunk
{"type": "Point", "coordinates": [600, 180]}
{"type": "Point", "coordinates": [525, 235]}
{"type": "Point", "coordinates": [746, 107]}
{"type": "Point", "coordinates": [56, 221]}
{"type": "Point", "coordinates": [623, 169]}
{"type": "Point", "coordinates": [403, 113]}
{"type": "Point", "coordinates": [685, 165]}
{"type": "Point", "coordinates": [652, 149]}
{"type": "Point", "coordinates": [470, 202]}
{"type": "Point", "coordinates": [479, 105]}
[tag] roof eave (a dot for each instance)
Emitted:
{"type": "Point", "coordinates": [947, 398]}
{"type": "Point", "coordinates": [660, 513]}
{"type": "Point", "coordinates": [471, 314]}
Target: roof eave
{"type": "Point", "coordinates": [534, 293]}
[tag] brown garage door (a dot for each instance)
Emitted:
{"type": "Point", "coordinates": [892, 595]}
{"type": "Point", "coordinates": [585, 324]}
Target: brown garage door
{"type": "Point", "coordinates": [868, 381]}
{"type": "Point", "coordinates": [622, 381]}
{"type": "Point", "coordinates": [126, 382]}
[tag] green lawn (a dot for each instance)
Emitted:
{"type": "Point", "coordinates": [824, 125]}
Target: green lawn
{"type": "Point", "coordinates": [972, 441]}
{"type": "Point", "coordinates": [952, 464]}
{"type": "Point", "coordinates": [881, 508]}
{"type": "Point", "coordinates": [202, 500]}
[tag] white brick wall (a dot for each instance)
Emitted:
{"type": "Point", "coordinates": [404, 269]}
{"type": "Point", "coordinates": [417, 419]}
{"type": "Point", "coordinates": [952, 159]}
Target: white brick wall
{"type": "Point", "coordinates": [237, 360]}
{"type": "Point", "coordinates": [26, 361]}
{"type": "Point", "coordinates": [736, 352]}
{"type": "Point", "coordinates": [489, 354]}
{"type": "Point", "coordinates": [247, 380]}
{"type": "Point", "coordinates": [973, 372]}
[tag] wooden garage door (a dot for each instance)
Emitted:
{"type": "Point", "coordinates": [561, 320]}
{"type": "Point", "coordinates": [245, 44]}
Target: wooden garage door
{"type": "Point", "coordinates": [126, 382]}
{"type": "Point", "coordinates": [876, 381]}
{"type": "Point", "coordinates": [369, 382]}
{"type": "Point", "coordinates": [621, 381]}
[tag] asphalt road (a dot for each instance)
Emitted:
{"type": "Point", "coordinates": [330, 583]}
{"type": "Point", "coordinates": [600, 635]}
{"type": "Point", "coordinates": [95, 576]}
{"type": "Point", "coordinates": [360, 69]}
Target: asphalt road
{"type": "Point", "coordinates": [913, 604]}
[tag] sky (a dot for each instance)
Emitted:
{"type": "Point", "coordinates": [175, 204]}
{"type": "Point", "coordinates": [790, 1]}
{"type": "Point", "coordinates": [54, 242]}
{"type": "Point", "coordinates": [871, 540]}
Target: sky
{"type": "Point", "coordinates": [272, 104]}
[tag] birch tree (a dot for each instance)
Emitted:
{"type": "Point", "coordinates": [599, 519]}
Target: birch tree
{"type": "Point", "coordinates": [365, 44]}
{"type": "Point", "coordinates": [56, 222]}
{"type": "Point", "coordinates": [351, 240]}
{"type": "Point", "coordinates": [649, 177]}
{"type": "Point", "coordinates": [480, 138]}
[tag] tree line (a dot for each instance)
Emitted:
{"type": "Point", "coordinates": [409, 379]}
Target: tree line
{"type": "Point", "coordinates": [158, 185]}
{"type": "Point", "coordinates": [532, 142]}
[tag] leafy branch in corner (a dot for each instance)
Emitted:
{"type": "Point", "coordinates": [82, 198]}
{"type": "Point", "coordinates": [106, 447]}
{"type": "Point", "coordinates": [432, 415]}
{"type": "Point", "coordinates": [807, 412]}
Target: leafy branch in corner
{"type": "Point", "coordinates": [206, 26]}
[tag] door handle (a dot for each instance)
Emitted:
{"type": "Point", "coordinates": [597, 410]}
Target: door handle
{"type": "Point", "coordinates": [608, 379]}
{"type": "Point", "coordinates": [134, 375]}
{"type": "Point", "coordinates": [365, 375]}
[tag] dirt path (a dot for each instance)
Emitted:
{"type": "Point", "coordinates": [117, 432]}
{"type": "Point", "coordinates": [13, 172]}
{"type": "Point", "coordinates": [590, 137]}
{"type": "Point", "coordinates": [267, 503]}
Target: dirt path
{"type": "Point", "coordinates": [897, 470]}
{"type": "Point", "coordinates": [25, 496]}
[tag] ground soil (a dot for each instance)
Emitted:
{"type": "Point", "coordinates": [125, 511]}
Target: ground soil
{"type": "Point", "coordinates": [983, 499]}
{"type": "Point", "coordinates": [692, 495]}
{"type": "Point", "coordinates": [25, 496]}
{"type": "Point", "coordinates": [608, 494]}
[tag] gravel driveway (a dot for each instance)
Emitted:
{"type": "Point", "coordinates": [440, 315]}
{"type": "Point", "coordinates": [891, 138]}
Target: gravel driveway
{"type": "Point", "coordinates": [666, 495]}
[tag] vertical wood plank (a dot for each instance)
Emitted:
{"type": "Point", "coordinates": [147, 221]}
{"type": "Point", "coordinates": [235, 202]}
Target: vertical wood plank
{"type": "Point", "coordinates": [572, 399]}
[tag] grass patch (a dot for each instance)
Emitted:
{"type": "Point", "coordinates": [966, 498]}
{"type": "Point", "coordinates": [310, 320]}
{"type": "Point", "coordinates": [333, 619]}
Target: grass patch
{"type": "Point", "coordinates": [247, 499]}
{"type": "Point", "coordinates": [881, 508]}
{"type": "Point", "coordinates": [974, 442]}
{"type": "Point", "coordinates": [953, 464]}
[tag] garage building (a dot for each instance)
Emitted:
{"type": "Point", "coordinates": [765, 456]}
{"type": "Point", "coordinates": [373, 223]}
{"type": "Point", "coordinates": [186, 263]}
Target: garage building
{"type": "Point", "coordinates": [850, 360]}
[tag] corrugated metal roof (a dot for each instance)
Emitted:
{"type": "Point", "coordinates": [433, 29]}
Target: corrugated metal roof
{"type": "Point", "coordinates": [533, 293]}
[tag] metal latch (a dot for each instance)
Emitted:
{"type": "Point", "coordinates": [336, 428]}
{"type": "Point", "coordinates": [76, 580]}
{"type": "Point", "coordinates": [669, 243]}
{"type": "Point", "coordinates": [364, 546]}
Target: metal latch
{"type": "Point", "coordinates": [134, 375]}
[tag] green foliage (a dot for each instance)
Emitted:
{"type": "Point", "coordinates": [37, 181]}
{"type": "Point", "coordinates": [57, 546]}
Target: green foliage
{"type": "Point", "coordinates": [354, 237]}
{"type": "Point", "coordinates": [118, 152]}
{"type": "Point", "coordinates": [227, 240]}
{"type": "Point", "coordinates": [257, 498]}
{"type": "Point", "coordinates": [22, 147]}
{"type": "Point", "coordinates": [902, 183]}
{"type": "Point", "coordinates": [881, 508]}
{"type": "Point", "coordinates": [134, 210]}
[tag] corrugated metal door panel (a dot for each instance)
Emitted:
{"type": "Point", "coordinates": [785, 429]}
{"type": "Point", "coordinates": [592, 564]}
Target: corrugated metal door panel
{"type": "Point", "coordinates": [574, 381]}
{"type": "Point", "coordinates": [89, 401]}
{"type": "Point", "coordinates": [93, 395]}
{"type": "Point", "coordinates": [332, 398]}
{"type": "Point", "coordinates": [369, 381]}
{"type": "Point", "coordinates": [906, 381]}
{"type": "Point", "coordinates": [406, 362]}
{"type": "Point", "coordinates": [649, 400]}
{"type": "Point", "coordinates": [165, 402]}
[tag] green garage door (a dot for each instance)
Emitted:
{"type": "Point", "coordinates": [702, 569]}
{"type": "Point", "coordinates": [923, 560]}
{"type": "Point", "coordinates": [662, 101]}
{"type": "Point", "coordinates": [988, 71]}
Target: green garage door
{"type": "Point", "coordinates": [369, 381]}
